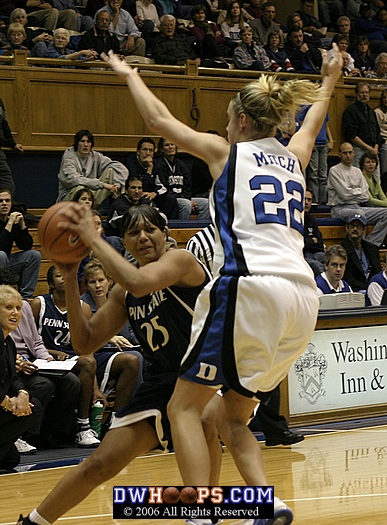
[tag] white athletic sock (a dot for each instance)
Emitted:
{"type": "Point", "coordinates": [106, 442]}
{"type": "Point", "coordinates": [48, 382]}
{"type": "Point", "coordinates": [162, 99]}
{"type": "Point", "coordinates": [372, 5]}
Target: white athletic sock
{"type": "Point", "coordinates": [35, 517]}
{"type": "Point", "coordinates": [83, 422]}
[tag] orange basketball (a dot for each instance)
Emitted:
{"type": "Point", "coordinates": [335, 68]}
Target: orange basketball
{"type": "Point", "coordinates": [171, 495]}
{"type": "Point", "coordinates": [59, 245]}
{"type": "Point", "coordinates": [188, 495]}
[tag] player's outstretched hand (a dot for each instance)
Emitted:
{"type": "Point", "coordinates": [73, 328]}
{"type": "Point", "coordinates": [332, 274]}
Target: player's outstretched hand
{"type": "Point", "coordinates": [122, 69]}
{"type": "Point", "coordinates": [333, 69]}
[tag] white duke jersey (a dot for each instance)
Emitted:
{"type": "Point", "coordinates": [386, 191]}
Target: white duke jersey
{"type": "Point", "coordinates": [258, 209]}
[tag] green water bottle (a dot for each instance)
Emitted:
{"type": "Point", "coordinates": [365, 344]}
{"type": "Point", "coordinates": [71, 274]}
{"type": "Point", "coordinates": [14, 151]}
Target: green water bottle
{"type": "Point", "coordinates": [96, 417]}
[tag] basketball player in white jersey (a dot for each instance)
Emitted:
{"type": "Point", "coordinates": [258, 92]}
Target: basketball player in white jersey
{"type": "Point", "coordinates": [258, 314]}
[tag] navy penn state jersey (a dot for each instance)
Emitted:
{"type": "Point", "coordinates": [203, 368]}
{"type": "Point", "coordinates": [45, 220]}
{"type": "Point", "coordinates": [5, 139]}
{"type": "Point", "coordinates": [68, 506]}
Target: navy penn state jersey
{"type": "Point", "coordinates": [53, 326]}
{"type": "Point", "coordinates": [162, 324]}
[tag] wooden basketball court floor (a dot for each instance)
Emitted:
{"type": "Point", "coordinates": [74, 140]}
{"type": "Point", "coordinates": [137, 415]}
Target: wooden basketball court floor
{"type": "Point", "coordinates": [331, 478]}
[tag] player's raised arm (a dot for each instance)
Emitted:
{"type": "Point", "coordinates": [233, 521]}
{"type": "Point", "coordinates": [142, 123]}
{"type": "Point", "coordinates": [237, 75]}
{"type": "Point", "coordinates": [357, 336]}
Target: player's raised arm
{"type": "Point", "coordinates": [302, 142]}
{"type": "Point", "coordinates": [160, 120]}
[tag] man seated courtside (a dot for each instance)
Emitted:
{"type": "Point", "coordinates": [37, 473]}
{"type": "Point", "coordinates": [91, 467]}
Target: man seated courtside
{"type": "Point", "coordinates": [331, 279]}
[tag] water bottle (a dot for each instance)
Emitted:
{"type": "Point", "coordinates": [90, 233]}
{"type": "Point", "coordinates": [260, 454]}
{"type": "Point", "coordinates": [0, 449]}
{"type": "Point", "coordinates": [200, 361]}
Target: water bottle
{"type": "Point", "coordinates": [96, 417]}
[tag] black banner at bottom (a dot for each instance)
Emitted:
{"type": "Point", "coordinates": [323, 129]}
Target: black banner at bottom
{"type": "Point", "coordinates": [215, 503]}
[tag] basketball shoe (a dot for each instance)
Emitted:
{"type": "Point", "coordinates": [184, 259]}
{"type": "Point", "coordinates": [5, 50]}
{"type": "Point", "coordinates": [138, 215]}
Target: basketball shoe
{"type": "Point", "coordinates": [198, 521]}
{"type": "Point", "coordinates": [282, 516]}
{"type": "Point", "coordinates": [24, 521]}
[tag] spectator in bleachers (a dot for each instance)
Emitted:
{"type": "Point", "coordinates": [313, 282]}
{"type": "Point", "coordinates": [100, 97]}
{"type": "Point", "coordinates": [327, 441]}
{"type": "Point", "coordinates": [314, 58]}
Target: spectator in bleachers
{"type": "Point", "coordinates": [348, 193]}
{"type": "Point", "coordinates": [265, 24]}
{"type": "Point", "coordinates": [214, 8]}
{"type": "Point", "coordinates": [18, 412]}
{"type": "Point", "coordinates": [364, 60]}
{"type": "Point", "coordinates": [377, 285]}
{"type": "Point", "coordinates": [223, 13]}
{"type": "Point", "coordinates": [347, 70]}
{"type": "Point", "coordinates": [43, 14]}
{"type": "Point", "coordinates": [381, 115]}
{"type": "Point", "coordinates": [310, 36]}
{"type": "Point", "coordinates": [254, 8]}
{"type": "Point", "coordinates": [360, 125]}
{"type": "Point", "coordinates": [175, 176]}
{"type": "Point", "coordinates": [363, 257]}
{"type": "Point", "coordinates": [202, 180]}
{"type": "Point", "coordinates": [365, 25]}
{"type": "Point", "coordinates": [304, 57]}
{"type": "Point", "coordinates": [133, 195]}
{"type": "Point", "coordinates": [249, 55]}
{"type": "Point", "coordinates": [7, 140]}
{"type": "Point", "coordinates": [343, 45]}
{"type": "Point", "coordinates": [329, 11]}
{"type": "Point", "coordinates": [50, 313]}
{"type": "Point", "coordinates": [81, 166]}
{"type": "Point", "coordinates": [232, 26]}
{"type": "Point", "coordinates": [36, 39]}
{"type": "Point", "coordinates": [142, 163]}
{"type": "Point", "coordinates": [16, 35]}
{"type": "Point", "coordinates": [311, 23]}
{"type": "Point", "coordinates": [146, 13]}
{"type": "Point", "coordinates": [380, 68]}
{"type": "Point", "coordinates": [313, 239]}
{"type": "Point", "coordinates": [99, 38]}
{"type": "Point", "coordinates": [85, 197]}
{"type": "Point", "coordinates": [13, 230]}
{"type": "Point", "coordinates": [277, 55]}
{"type": "Point", "coordinates": [345, 28]}
{"type": "Point", "coordinates": [317, 169]}
{"type": "Point", "coordinates": [331, 279]}
{"type": "Point", "coordinates": [368, 164]}
{"type": "Point", "coordinates": [58, 48]}
{"type": "Point", "coordinates": [83, 22]}
{"type": "Point", "coordinates": [125, 29]}
{"type": "Point", "coordinates": [170, 7]}
{"type": "Point", "coordinates": [208, 35]}
{"type": "Point", "coordinates": [170, 48]}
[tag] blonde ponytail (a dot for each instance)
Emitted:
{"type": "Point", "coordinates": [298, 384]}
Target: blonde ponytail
{"type": "Point", "coordinates": [266, 101]}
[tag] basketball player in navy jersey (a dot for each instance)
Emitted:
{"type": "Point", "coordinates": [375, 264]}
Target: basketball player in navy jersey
{"type": "Point", "coordinates": [158, 296]}
{"type": "Point", "coordinates": [259, 312]}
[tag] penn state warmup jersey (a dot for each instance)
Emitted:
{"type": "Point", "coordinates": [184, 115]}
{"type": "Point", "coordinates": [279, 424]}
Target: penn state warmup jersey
{"type": "Point", "coordinates": [53, 326]}
{"type": "Point", "coordinates": [162, 324]}
{"type": "Point", "coordinates": [258, 209]}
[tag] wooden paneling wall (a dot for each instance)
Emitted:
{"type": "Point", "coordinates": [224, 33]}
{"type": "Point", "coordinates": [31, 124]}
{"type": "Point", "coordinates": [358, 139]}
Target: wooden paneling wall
{"type": "Point", "coordinates": [47, 105]}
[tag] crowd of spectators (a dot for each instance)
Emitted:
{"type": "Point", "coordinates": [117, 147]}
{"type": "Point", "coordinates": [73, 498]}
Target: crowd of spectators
{"type": "Point", "coordinates": [212, 32]}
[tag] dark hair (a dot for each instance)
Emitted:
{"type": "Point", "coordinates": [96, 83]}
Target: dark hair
{"type": "Point", "coordinates": [161, 143]}
{"type": "Point", "coordinates": [145, 139]}
{"type": "Point", "coordinates": [77, 195]}
{"type": "Point", "coordinates": [197, 8]}
{"type": "Point", "coordinates": [294, 29]}
{"type": "Point", "coordinates": [308, 188]}
{"type": "Point", "coordinates": [7, 276]}
{"type": "Point", "coordinates": [368, 155]}
{"type": "Point", "coordinates": [80, 134]}
{"type": "Point", "coordinates": [50, 277]}
{"type": "Point", "coordinates": [130, 179]}
{"type": "Point", "coordinates": [383, 106]}
{"type": "Point", "coordinates": [2, 190]}
{"type": "Point", "coordinates": [135, 214]}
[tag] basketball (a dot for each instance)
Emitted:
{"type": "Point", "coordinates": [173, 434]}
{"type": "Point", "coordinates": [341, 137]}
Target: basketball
{"type": "Point", "coordinates": [59, 245]}
{"type": "Point", "coordinates": [171, 495]}
{"type": "Point", "coordinates": [188, 495]}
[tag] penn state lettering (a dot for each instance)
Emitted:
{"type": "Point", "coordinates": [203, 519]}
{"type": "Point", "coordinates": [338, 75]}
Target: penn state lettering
{"type": "Point", "coordinates": [142, 311]}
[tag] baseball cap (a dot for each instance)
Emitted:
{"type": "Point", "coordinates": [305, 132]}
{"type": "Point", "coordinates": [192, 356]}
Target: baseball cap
{"type": "Point", "coordinates": [357, 217]}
